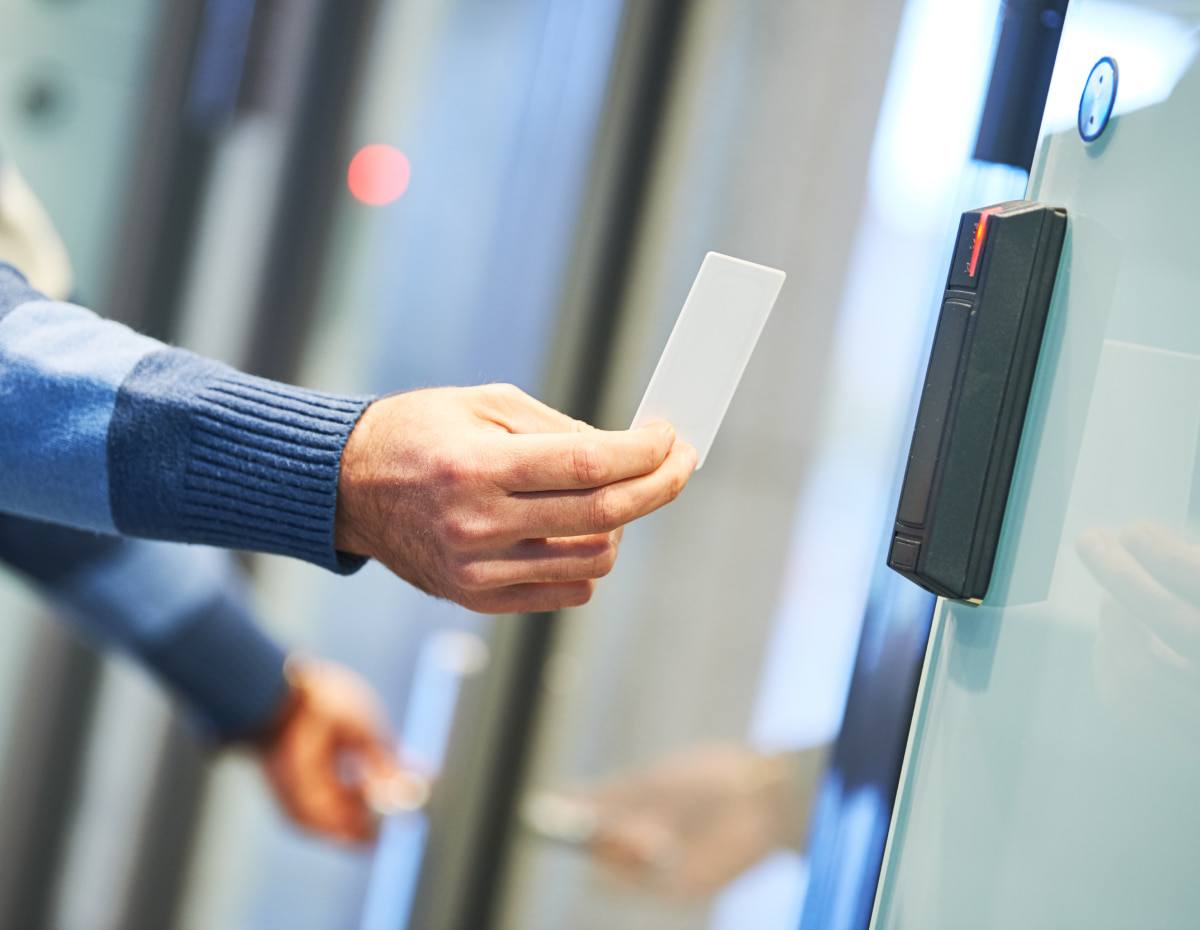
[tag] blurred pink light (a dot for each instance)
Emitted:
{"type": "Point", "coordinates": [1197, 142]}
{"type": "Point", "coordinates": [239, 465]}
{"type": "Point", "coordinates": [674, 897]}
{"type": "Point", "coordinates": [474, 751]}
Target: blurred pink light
{"type": "Point", "coordinates": [378, 174]}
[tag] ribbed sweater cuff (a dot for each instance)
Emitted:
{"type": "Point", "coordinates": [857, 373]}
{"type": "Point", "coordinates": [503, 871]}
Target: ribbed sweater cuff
{"type": "Point", "coordinates": [264, 466]}
{"type": "Point", "coordinates": [202, 453]}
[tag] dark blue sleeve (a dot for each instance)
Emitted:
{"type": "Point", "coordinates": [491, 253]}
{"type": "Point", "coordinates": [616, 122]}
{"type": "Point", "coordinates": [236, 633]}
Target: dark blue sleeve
{"type": "Point", "coordinates": [180, 611]}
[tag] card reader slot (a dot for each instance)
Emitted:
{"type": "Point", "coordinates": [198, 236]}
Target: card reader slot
{"type": "Point", "coordinates": [931, 416]}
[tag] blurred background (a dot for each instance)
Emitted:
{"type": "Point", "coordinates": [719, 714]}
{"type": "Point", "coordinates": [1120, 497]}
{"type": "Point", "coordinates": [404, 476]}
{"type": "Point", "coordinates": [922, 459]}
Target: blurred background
{"type": "Point", "coordinates": [375, 195]}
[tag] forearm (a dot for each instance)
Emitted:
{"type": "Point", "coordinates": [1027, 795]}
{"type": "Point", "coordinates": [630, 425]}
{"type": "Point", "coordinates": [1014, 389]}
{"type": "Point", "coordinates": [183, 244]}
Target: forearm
{"type": "Point", "coordinates": [104, 429]}
{"type": "Point", "coordinates": [179, 611]}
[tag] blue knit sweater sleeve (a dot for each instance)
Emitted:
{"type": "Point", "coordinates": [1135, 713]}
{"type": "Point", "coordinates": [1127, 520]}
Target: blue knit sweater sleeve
{"type": "Point", "coordinates": [180, 611]}
{"type": "Point", "coordinates": [104, 429]}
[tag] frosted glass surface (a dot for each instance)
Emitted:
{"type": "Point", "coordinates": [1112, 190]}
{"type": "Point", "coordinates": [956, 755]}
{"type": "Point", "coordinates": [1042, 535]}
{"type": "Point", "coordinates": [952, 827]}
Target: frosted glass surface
{"type": "Point", "coordinates": [1053, 773]}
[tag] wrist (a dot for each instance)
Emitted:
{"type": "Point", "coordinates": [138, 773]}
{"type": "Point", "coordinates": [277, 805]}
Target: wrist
{"type": "Point", "coordinates": [286, 710]}
{"type": "Point", "coordinates": [351, 516]}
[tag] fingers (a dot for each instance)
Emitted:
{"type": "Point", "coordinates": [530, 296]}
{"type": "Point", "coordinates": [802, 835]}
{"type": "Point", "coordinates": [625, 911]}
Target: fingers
{"type": "Point", "coordinates": [543, 560]}
{"type": "Point", "coordinates": [394, 790]}
{"type": "Point", "coordinates": [1135, 589]}
{"type": "Point", "coordinates": [1172, 560]}
{"type": "Point", "coordinates": [317, 762]}
{"type": "Point", "coordinates": [1139, 687]}
{"type": "Point", "coordinates": [531, 598]}
{"type": "Point", "coordinates": [1120, 573]}
{"type": "Point", "coordinates": [343, 812]}
{"type": "Point", "coordinates": [306, 779]}
{"type": "Point", "coordinates": [570, 461]}
{"type": "Point", "coordinates": [324, 798]}
{"type": "Point", "coordinates": [603, 509]}
{"type": "Point", "coordinates": [363, 769]}
{"type": "Point", "coordinates": [636, 846]}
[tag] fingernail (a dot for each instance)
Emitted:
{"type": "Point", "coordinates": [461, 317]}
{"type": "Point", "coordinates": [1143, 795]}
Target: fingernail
{"type": "Point", "coordinates": [690, 451]}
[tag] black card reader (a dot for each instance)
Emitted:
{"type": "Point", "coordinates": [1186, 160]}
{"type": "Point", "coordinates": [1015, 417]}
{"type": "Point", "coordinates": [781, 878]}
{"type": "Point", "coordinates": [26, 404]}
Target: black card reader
{"type": "Point", "coordinates": [972, 407]}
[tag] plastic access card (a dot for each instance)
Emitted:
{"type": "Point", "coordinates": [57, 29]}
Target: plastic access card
{"type": "Point", "coordinates": [709, 348]}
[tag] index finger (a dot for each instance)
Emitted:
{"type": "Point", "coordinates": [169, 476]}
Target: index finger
{"type": "Point", "coordinates": [579, 461]}
{"type": "Point", "coordinates": [1169, 557]}
{"type": "Point", "coordinates": [1134, 588]}
{"type": "Point", "coordinates": [546, 514]}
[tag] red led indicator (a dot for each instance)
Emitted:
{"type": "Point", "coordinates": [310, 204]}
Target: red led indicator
{"type": "Point", "coordinates": [977, 245]}
{"type": "Point", "coordinates": [378, 174]}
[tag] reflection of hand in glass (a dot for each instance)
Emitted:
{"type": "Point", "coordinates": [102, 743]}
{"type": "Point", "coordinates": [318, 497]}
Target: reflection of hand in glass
{"type": "Point", "coordinates": [328, 759]}
{"type": "Point", "coordinates": [1147, 652]}
{"type": "Point", "coordinates": [693, 821]}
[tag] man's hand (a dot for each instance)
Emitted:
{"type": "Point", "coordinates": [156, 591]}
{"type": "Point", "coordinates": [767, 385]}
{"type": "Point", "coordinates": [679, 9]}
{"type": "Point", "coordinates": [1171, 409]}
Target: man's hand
{"type": "Point", "coordinates": [1146, 650]}
{"type": "Point", "coordinates": [694, 821]}
{"type": "Point", "coordinates": [490, 498]}
{"type": "Point", "coordinates": [329, 755]}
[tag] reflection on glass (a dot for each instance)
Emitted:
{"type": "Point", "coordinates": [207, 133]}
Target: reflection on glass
{"type": "Point", "coordinates": [1146, 655]}
{"type": "Point", "coordinates": [691, 822]}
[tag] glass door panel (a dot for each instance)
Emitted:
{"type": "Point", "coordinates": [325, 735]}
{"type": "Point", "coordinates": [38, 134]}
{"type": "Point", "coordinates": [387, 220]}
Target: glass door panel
{"type": "Point", "coordinates": [1052, 765]}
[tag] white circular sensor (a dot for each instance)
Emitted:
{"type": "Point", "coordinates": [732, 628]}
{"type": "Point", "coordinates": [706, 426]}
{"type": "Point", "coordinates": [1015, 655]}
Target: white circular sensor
{"type": "Point", "coordinates": [1096, 103]}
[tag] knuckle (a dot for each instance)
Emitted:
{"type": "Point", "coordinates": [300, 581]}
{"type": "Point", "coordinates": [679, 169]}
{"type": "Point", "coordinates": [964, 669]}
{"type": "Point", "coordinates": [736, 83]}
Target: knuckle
{"type": "Point", "coordinates": [587, 463]}
{"type": "Point", "coordinates": [452, 470]}
{"type": "Point", "coordinates": [505, 390]}
{"type": "Point", "coordinates": [462, 530]}
{"type": "Point", "coordinates": [470, 575]}
{"type": "Point", "coordinates": [455, 530]}
{"type": "Point", "coordinates": [603, 510]}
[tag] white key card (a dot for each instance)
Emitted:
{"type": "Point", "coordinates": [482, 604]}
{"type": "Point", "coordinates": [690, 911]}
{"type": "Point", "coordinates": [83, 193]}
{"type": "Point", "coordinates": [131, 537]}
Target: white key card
{"type": "Point", "coordinates": [709, 348]}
